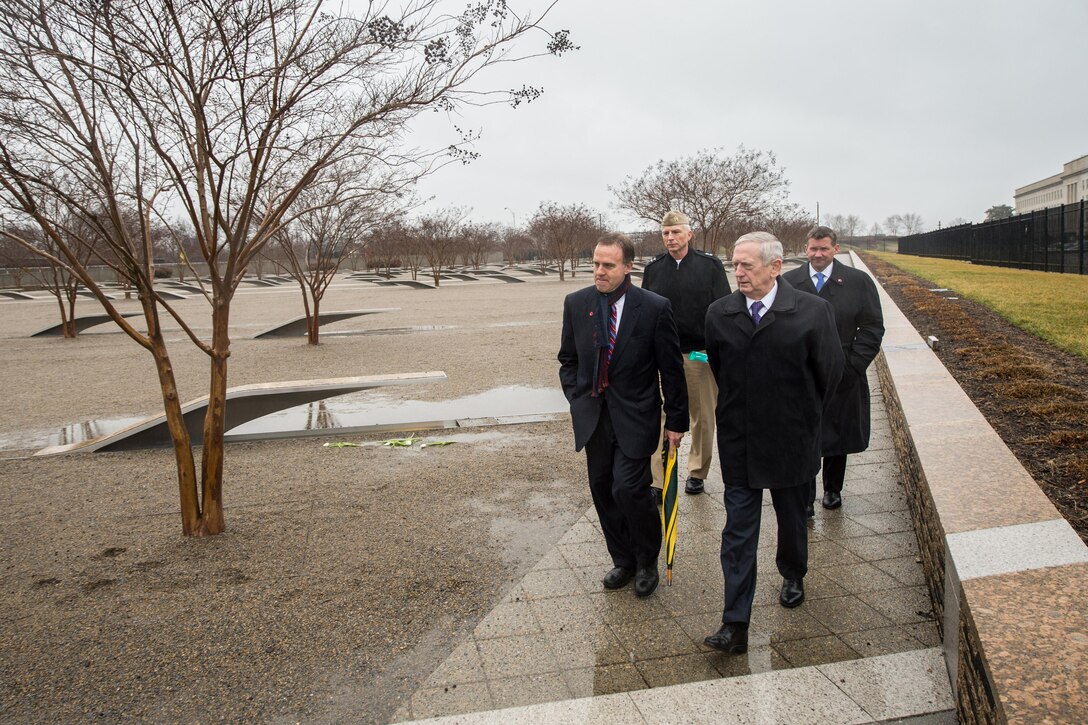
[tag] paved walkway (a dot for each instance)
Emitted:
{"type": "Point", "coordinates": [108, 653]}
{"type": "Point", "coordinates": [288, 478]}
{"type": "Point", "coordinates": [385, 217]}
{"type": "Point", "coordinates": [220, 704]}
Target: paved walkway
{"type": "Point", "coordinates": [862, 648]}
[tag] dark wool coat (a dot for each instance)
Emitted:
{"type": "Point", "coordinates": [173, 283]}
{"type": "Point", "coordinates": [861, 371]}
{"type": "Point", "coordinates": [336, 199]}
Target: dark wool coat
{"type": "Point", "coordinates": [690, 286]}
{"type": "Point", "coordinates": [774, 382]}
{"type": "Point", "coordinates": [860, 326]}
{"type": "Point", "coordinates": [645, 362]}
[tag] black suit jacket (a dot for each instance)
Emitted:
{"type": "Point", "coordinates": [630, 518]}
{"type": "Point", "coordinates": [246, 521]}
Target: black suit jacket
{"type": "Point", "coordinates": [645, 362]}
{"type": "Point", "coordinates": [860, 326]}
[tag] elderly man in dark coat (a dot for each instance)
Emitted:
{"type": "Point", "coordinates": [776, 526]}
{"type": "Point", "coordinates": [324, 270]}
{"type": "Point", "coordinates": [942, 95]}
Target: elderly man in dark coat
{"type": "Point", "coordinates": [860, 325]}
{"type": "Point", "coordinates": [777, 361]}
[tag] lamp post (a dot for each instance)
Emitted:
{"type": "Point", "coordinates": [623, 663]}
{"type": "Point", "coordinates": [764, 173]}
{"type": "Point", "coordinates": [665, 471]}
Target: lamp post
{"type": "Point", "coordinates": [513, 217]}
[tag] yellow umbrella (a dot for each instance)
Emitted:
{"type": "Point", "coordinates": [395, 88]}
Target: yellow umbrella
{"type": "Point", "coordinates": [669, 507]}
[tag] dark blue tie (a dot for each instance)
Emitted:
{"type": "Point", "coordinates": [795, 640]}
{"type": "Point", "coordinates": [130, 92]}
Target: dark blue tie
{"type": "Point", "coordinates": [756, 316]}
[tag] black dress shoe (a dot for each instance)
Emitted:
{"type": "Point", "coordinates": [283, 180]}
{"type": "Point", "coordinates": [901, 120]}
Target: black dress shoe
{"type": "Point", "coordinates": [617, 578]}
{"type": "Point", "coordinates": [810, 510]}
{"type": "Point", "coordinates": [832, 499]}
{"type": "Point", "coordinates": [693, 485]}
{"type": "Point", "coordinates": [793, 593]}
{"type": "Point", "coordinates": [732, 638]}
{"type": "Point", "coordinates": [646, 581]}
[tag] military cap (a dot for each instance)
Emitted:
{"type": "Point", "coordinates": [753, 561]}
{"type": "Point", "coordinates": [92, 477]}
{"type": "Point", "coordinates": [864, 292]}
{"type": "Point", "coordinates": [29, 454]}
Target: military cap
{"type": "Point", "coordinates": [674, 218]}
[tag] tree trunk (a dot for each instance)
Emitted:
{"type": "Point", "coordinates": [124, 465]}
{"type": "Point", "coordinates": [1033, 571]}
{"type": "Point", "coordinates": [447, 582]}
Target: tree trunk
{"type": "Point", "coordinates": [67, 325]}
{"type": "Point", "coordinates": [191, 523]}
{"type": "Point", "coordinates": [70, 326]}
{"type": "Point", "coordinates": [313, 325]}
{"type": "Point", "coordinates": [215, 422]}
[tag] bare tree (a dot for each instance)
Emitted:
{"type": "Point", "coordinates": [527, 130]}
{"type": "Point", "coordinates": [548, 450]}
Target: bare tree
{"type": "Point", "coordinates": [564, 233]}
{"type": "Point", "coordinates": [647, 243]}
{"type": "Point", "coordinates": [515, 244]}
{"type": "Point", "coordinates": [478, 241]}
{"type": "Point", "coordinates": [851, 224]}
{"type": "Point", "coordinates": [52, 277]}
{"type": "Point", "coordinates": [790, 223]}
{"type": "Point", "coordinates": [845, 225]}
{"type": "Point", "coordinates": [875, 230]}
{"type": "Point", "coordinates": [893, 224]}
{"type": "Point", "coordinates": [912, 223]}
{"type": "Point", "coordinates": [438, 237]}
{"type": "Point", "coordinates": [322, 231]}
{"type": "Point", "coordinates": [714, 190]}
{"type": "Point", "coordinates": [228, 111]}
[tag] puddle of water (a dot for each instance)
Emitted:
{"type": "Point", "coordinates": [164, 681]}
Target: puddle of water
{"type": "Point", "coordinates": [371, 408]}
{"type": "Point", "coordinates": [82, 432]}
{"type": "Point", "coordinates": [357, 410]}
{"type": "Point", "coordinates": [391, 331]}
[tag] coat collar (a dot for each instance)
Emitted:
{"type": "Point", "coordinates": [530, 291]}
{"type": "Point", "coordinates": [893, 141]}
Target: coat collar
{"type": "Point", "coordinates": [785, 302]}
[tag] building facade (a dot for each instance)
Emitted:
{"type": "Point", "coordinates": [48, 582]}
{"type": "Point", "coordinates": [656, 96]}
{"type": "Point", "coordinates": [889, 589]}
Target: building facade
{"type": "Point", "coordinates": [1068, 187]}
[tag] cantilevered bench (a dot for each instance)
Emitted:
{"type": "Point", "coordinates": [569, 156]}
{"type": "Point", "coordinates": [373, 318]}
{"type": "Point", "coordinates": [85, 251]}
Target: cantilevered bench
{"type": "Point", "coordinates": [81, 324]}
{"type": "Point", "coordinates": [244, 403]}
{"type": "Point", "coordinates": [297, 326]}
{"type": "Point", "coordinates": [415, 284]}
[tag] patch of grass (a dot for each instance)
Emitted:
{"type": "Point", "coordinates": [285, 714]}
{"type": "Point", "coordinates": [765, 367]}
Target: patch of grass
{"type": "Point", "coordinates": [1002, 351]}
{"type": "Point", "coordinates": [1038, 390]}
{"type": "Point", "coordinates": [1013, 371]}
{"type": "Point", "coordinates": [1066, 438]}
{"type": "Point", "coordinates": [1079, 467]}
{"type": "Point", "coordinates": [1067, 413]}
{"type": "Point", "coordinates": [1050, 305]}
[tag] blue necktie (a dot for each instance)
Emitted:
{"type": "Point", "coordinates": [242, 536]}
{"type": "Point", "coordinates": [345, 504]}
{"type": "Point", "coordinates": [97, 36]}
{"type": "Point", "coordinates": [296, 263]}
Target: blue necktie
{"type": "Point", "coordinates": [819, 281]}
{"type": "Point", "coordinates": [756, 316]}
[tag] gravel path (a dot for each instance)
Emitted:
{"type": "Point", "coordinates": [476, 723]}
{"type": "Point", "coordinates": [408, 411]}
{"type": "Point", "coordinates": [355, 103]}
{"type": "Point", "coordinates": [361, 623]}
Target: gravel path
{"type": "Point", "coordinates": [346, 574]}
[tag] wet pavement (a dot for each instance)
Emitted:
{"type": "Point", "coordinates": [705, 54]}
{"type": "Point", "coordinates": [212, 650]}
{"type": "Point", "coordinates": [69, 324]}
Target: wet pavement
{"type": "Point", "coordinates": [864, 647]}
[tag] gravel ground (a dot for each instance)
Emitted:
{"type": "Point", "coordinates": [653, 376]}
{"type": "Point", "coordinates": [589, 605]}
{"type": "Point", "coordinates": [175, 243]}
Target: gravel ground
{"type": "Point", "coordinates": [345, 575]}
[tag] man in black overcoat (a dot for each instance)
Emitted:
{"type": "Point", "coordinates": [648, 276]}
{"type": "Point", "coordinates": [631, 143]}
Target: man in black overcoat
{"type": "Point", "coordinates": [691, 280]}
{"type": "Point", "coordinates": [860, 326]}
{"type": "Point", "coordinates": [777, 361]}
{"type": "Point", "coordinates": [619, 353]}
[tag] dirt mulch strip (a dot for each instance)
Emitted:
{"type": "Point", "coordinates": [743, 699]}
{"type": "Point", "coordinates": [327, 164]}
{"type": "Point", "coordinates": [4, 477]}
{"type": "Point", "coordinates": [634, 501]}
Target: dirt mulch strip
{"type": "Point", "coordinates": [1034, 394]}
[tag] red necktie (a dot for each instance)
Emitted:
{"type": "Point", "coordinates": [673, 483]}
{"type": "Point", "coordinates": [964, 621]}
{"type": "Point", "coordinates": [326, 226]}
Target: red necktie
{"type": "Point", "coordinates": [612, 330]}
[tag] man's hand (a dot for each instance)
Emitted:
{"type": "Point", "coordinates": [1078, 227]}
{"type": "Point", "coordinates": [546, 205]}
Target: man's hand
{"type": "Point", "coordinates": [674, 437]}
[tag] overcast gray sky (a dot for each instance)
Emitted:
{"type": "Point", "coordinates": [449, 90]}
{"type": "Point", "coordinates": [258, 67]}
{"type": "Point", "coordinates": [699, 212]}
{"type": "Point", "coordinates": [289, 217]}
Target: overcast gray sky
{"type": "Point", "coordinates": [873, 108]}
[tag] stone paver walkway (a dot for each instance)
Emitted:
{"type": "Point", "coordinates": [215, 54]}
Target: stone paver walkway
{"type": "Point", "coordinates": [863, 647]}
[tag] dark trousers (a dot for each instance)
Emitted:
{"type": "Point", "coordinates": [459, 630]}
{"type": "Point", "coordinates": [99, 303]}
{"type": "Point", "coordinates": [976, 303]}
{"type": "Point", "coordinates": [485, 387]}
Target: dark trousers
{"type": "Point", "coordinates": [834, 473]}
{"type": "Point", "coordinates": [740, 541]}
{"type": "Point", "coordinates": [621, 494]}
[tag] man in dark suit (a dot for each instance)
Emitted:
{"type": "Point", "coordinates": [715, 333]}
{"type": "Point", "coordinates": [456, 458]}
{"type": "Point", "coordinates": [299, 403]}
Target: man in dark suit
{"type": "Point", "coordinates": [777, 361]}
{"type": "Point", "coordinates": [618, 353]}
{"type": "Point", "coordinates": [860, 326]}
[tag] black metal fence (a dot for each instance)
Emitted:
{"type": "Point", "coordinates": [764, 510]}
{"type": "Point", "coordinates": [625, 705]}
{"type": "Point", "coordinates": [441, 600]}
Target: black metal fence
{"type": "Point", "coordinates": [1051, 240]}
